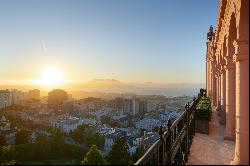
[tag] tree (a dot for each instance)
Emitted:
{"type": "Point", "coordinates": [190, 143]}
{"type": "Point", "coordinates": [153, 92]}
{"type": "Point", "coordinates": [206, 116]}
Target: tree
{"type": "Point", "coordinates": [3, 141]}
{"type": "Point", "coordinates": [105, 119]}
{"type": "Point", "coordinates": [119, 154]}
{"type": "Point", "coordinates": [23, 136]}
{"type": "Point", "coordinates": [8, 153]}
{"type": "Point", "coordinates": [56, 99]}
{"type": "Point", "coordinates": [41, 138]}
{"type": "Point", "coordinates": [96, 139]}
{"type": "Point", "coordinates": [57, 137]}
{"type": "Point", "coordinates": [137, 155]}
{"type": "Point", "coordinates": [93, 157]}
{"type": "Point", "coordinates": [79, 133]}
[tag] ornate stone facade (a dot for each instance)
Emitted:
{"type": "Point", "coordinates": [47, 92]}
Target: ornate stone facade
{"type": "Point", "coordinates": [227, 73]}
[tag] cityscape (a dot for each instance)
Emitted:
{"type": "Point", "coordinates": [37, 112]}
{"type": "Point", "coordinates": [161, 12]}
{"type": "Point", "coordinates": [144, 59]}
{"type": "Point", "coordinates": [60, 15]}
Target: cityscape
{"type": "Point", "coordinates": [136, 118]}
{"type": "Point", "coordinates": [107, 82]}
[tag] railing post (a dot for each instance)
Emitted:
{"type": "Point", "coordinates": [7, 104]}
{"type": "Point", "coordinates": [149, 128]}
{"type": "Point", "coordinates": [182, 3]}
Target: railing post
{"type": "Point", "coordinates": [161, 149]}
{"type": "Point", "coordinates": [188, 127]}
{"type": "Point", "coordinates": [168, 144]}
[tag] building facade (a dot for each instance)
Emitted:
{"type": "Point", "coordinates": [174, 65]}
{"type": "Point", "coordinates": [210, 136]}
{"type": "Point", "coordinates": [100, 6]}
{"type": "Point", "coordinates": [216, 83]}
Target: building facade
{"type": "Point", "coordinates": [5, 98]}
{"type": "Point", "coordinates": [227, 73]}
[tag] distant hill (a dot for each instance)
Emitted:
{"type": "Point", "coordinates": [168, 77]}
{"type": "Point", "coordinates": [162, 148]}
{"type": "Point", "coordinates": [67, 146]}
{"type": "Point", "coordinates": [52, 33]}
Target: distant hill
{"type": "Point", "coordinates": [104, 83]}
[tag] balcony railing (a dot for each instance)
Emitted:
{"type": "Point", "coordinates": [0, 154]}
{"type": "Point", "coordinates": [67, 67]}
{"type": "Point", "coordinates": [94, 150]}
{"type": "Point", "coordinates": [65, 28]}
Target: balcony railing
{"type": "Point", "coordinates": [174, 143]}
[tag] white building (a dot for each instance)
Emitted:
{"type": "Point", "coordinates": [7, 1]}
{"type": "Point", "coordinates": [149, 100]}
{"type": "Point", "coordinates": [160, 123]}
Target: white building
{"type": "Point", "coordinates": [147, 123]}
{"type": "Point", "coordinates": [70, 124]}
{"type": "Point", "coordinates": [66, 125]}
{"type": "Point", "coordinates": [87, 121]}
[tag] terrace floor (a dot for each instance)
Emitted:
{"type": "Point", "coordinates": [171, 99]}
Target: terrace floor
{"type": "Point", "coordinates": [211, 149]}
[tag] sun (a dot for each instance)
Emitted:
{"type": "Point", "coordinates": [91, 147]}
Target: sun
{"type": "Point", "coordinates": [51, 76]}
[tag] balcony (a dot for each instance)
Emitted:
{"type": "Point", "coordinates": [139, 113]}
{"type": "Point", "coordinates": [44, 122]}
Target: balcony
{"type": "Point", "coordinates": [211, 149]}
{"type": "Point", "coordinates": [180, 145]}
{"type": "Point", "coordinates": [174, 144]}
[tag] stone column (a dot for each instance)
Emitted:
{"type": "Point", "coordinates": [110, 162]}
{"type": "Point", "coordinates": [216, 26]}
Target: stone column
{"type": "Point", "coordinates": [215, 91]}
{"type": "Point", "coordinates": [219, 99]}
{"type": "Point", "coordinates": [230, 99]}
{"type": "Point", "coordinates": [241, 58]}
{"type": "Point", "coordinates": [210, 80]}
{"type": "Point", "coordinates": [206, 76]}
{"type": "Point", "coordinates": [218, 93]}
{"type": "Point", "coordinates": [223, 96]}
{"type": "Point", "coordinates": [213, 75]}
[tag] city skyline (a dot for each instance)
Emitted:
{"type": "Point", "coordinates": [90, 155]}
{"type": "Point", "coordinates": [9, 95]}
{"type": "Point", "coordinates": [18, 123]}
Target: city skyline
{"type": "Point", "coordinates": [128, 41]}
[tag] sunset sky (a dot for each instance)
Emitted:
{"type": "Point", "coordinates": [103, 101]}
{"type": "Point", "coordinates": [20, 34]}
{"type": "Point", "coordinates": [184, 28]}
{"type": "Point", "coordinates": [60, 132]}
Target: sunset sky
{"type": "Point", "coordinates": [159, 41]}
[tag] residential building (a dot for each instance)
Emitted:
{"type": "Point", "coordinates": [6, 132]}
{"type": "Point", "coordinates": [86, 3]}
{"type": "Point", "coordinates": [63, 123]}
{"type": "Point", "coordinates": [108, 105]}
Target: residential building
{"type": "Point", "coordinates": [147, 124]}
{"type": "Point", "coordinates": [5, 98]}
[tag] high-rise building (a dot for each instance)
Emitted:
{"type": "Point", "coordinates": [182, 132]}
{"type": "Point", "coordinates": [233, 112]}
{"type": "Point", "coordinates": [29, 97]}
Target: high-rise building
{"type": "Point", "coordinates": [128, 106]}
{"type": "Point", "coordinates": [136, 106]}
{"type": "Point", "coordinates": [5, 98]}
{"type": "Point", "coordinates": [143, 106]}
{"type": "Point", "coordinates": [118, 104]}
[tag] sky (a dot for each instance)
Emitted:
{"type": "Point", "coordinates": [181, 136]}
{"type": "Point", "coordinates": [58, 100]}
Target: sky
{"type": "Point", "coordinates": [158, 41]}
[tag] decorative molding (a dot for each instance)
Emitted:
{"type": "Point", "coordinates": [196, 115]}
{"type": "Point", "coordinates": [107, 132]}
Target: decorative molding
{"type": "Point", "coordinates": [229, 63]}
{"type": "Point", "coordinates": [241, 50]}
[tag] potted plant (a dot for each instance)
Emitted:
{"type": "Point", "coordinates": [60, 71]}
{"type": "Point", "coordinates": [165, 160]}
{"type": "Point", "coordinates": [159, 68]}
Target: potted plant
{"type": "Point", "coordinates": [203, 115]}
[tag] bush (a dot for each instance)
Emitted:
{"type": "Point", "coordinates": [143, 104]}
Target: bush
{"type": "Point", "coordinates": [203, 109]}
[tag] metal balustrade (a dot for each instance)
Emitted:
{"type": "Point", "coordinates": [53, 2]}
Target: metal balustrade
{"type": "Point", "coordinates": [174, 143]}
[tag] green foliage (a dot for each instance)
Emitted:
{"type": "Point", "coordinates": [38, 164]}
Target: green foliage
{"type": "Point", "coordinates": [93, 157]}
{"type": "Point", "coordinates": [119, 154]}
{"type": "Point", "coordinates": [17, 121]}
{"type": "Point", "coordinates": [11, 162]}
{"type": "Point", "coordinates": [47, 150]}
{"type": "Point", "coordinates": [8, 153]}
{"type": "Point", "coordinates": [82, 136]}
{"type": "Point", "coordinates": [96, 139]}
{"type": "Point", "coordinates": [57, 137]}
{"type": "Point", "coordinates": [203, 109]}
{"type": "Point", "coordinates": [41, 138]}
{"type": "Point", "coordinates": [79, 134]}
{"type": "Point", "coordinates": [42, 150]}
{"type": "Point", "coordinates": [3, 141]}
{"type": "Point", "coordinates": [137, 155]}
{"type": "Point", "coordinates": [105, 119]}
{"type": "Point", "coordinates": [23, 136]}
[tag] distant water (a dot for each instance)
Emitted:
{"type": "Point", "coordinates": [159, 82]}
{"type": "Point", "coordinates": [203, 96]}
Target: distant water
{"type": "Point", "coordinates": [152, 91]}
